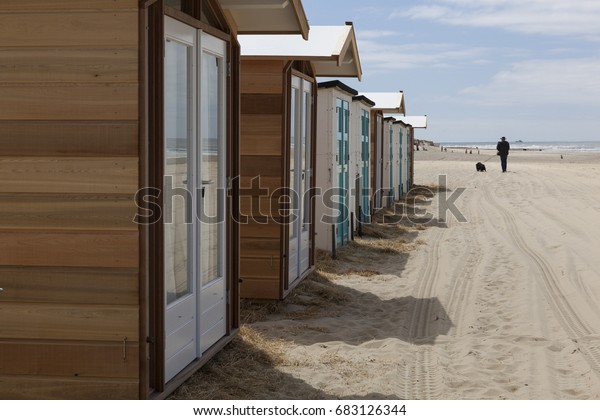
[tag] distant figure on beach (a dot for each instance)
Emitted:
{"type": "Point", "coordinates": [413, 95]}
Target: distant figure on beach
{"type": "Point", "coordinates": [503, 147]}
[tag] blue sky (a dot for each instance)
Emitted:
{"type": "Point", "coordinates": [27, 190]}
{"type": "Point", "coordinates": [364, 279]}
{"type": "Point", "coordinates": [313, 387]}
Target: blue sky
{"type": "Point", "coordinates": [481, 69]}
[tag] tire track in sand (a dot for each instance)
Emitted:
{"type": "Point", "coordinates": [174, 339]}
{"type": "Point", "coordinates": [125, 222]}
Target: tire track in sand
{"type": "Point", "coordinates": [578, 330]}
{"type": "Point", "coordinates": [421, 315]}
{"type": "Point", "coordinates": [463, 278]}
{"type": "Point", "coordinates": [422, 377]}
{"type": "Point", "coordinates": [424, 372]}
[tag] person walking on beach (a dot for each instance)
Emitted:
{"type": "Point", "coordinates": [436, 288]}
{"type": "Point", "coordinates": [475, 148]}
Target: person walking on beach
{"type": "Point", "coordinates": [503, 147]}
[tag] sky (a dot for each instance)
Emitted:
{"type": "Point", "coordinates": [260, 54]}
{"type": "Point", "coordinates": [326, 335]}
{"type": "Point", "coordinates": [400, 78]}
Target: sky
{"type": "Point", "coordinates": [480, 69]}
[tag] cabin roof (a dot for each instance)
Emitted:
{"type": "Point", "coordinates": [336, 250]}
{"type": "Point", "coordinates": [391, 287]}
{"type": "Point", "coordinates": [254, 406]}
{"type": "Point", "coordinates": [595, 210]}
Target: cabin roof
{"type": "Point", "coordinates": [332, 50]}
{"type": "Point", "coordinates": [267, 16]}
{"type": "Point", "coordinates": [416, 121]}
{"type": "Point", "coordinates": [389, 102]}
{"type": "Point", "coordinates": [364, 100]}
{"type": "Point", "coordinates": [338, 85]}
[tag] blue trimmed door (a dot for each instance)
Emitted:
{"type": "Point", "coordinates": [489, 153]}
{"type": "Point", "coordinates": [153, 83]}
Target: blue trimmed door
{"type": "Point", "coordinates": [392, 198]}
{"type": "Point", "coordinates": [400, 178]}
{"type": "Point", "coordinates": [342, 111]}
{"type": "Point", "coordinates": [364, 194]}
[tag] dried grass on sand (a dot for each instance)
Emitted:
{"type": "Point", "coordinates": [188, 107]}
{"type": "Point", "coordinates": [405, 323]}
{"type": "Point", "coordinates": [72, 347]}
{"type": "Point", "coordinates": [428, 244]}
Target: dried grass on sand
{"type": "Point", "coordinates": [248, 367]}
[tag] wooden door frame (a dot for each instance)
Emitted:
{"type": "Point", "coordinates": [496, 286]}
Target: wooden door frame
{"type": "Point", "coordinates": [151, 141]}
{"type": "Point", "coordinates": [289, 70]}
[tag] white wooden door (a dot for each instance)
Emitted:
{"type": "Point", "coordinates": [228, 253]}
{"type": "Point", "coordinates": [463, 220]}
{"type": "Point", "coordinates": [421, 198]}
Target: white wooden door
{"type": "Point", "coordinates": [300, 177]}
{"type": "Point", "coordinates": [194, 194]}
{"type": "Point", "coordinates": [212, 190]}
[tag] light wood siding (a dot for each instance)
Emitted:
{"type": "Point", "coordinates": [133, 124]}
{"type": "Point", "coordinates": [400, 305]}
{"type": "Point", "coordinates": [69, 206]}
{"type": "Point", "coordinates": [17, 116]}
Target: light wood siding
{"type": "Point", "coordinates": [262, 146]}
{"type": "Point", "coordinates": [69, 251]}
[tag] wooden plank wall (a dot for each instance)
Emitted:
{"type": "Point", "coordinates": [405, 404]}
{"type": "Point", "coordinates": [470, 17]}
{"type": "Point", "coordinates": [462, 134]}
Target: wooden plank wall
{"type": "Point", "coordinates": [68, 173]}
{"type": "Point", "coordinates": [261, 149]}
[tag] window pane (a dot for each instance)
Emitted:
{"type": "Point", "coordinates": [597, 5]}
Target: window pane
{"type": "Point", "coordinates": [306, 161]}
{"type": "Point", "coordinates": [177, 141]}
{"type": "Point", "coordinates": [211, 168]}
{"type": "Point", "coordinates": [293, 170]}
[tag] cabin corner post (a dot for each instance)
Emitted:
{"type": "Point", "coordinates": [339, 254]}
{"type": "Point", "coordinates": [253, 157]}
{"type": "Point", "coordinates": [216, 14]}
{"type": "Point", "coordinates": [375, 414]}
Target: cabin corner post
{"type": "Point", "coordinates": [155, 139]}
{"type": "Point", "coordinates": [285, 176]}
{"type": "Point", "coordinates": [234, 174]}
{"type": "Point", "coordinates": [144, 174]}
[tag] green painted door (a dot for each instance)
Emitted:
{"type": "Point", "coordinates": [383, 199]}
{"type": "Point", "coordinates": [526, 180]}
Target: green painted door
{"type": "Point", "coordinates": [365, 194]}
{"type": "Point", "coordinates": [400, 179]}
{"type": "Point", "coordinates": [342, 137]}
{"type": "Point", "coordinates": [391, 165]}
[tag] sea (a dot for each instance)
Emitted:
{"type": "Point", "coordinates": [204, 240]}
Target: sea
{"type": "Point", "coordinates": [563, 147]}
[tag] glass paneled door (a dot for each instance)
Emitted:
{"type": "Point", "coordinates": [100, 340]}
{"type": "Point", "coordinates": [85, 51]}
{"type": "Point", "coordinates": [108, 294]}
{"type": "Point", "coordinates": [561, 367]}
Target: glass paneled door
{"type": "Point", "coordinates": [364, 171]}
{"type": "Point", "coordinates": [342, 113]}
{"type": "Point", "coordinates": [194, 194]}
{"type": "Point", "coordinates": [391, 166]}
{"type": "Point", "coordinates": [378, 161]}
{"type": "Point", "coordinates": [300, 177]}
{"type": "Point", "coordinates": [400, 176]}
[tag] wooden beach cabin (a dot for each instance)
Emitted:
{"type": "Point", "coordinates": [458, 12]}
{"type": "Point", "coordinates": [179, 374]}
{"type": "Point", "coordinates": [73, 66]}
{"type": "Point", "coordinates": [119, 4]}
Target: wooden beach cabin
{"type": "Point", "coordinates": [333, 162]}
{"type": "Point", "coordinates": [401, 139]}
{"type": "Point", "coordinates": [118, 125]}
{"type": "Point", "coordinates": [385, 187]}
{"type": "Point", "coordinates": [360, 158]}
{"type": "Point", "coordinates": [412, 122]}
{"type": "Point", "coordinates": [376, 161]}
{"type": "Point", "coordinates": [278, 149]}
{"type": "Point", "coordinates": [389, 154]}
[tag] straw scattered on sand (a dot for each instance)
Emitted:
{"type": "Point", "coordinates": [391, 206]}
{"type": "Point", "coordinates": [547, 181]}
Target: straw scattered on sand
{"type": "Point", "coordinates": [502, 306]}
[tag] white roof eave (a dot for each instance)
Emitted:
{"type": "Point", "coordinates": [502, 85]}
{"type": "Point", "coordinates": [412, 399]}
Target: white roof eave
{"type": "Point", "coordinates": [331, 49]}
{"type": "Point", "coordinates": [388, 102]}
{"type": "Point", "coordinates": [267, 16]}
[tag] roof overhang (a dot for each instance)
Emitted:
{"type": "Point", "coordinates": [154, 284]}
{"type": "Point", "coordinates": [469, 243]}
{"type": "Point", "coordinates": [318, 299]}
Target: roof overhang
{"type": "Point", "coordinates": [267, 16]}
{"type": "Point", "coordinates": [331, 50]}
{"type": "Point", "coordinates": [415, 121]}
{"type": "Point", "coordinates": [364, 100]}
{"type": "Point", "coordinates": [336, 84]}
{"type": "Point", "coordinates": [388, 102]}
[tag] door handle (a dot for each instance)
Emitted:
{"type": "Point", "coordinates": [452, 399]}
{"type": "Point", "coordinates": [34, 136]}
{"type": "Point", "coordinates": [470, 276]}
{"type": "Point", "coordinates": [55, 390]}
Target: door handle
{"type": "Point", "coordinates": [206, 182]}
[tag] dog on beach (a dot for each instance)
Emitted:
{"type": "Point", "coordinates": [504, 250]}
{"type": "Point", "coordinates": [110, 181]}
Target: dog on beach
{"type": "Point", "coordinates": [480, 167]}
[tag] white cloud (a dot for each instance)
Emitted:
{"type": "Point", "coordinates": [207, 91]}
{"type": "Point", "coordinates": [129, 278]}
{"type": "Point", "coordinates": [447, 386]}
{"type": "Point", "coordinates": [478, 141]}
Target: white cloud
{"type": "Point", "coordinates": [556, 83]}
{"type": "Point", "coordinates": [375, 34]}
{"type": "Point", "coordinates": [377, 55]}
{"type": "Point", "coordinates": [550, 17]}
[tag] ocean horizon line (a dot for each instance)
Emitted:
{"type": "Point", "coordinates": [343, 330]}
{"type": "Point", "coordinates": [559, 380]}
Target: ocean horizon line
{"type": "Point", "coordinates": [549, 146]}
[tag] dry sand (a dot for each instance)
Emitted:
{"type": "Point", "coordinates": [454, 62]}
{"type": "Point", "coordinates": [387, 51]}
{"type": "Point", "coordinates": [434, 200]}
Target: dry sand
{"type": "Point", "coordinates": [503, 306]}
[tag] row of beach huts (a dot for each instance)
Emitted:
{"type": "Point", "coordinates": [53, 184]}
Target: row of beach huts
{"type": "Point", "coordinates": [161, 160]}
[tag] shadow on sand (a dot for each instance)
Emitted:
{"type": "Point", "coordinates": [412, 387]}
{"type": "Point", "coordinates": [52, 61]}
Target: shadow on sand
{"type": "Point", "coordinates": [321, 311]}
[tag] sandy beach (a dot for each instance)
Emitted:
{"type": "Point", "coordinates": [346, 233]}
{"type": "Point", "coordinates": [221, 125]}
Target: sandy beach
{"type": "Point", "coordinates": [502, 305]}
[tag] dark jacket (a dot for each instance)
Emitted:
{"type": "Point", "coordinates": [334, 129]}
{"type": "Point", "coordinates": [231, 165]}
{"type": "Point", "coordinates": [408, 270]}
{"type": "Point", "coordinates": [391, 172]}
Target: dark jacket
{"type": "Point", "coordinates": [503, 147]}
